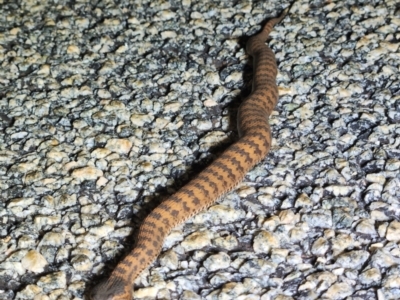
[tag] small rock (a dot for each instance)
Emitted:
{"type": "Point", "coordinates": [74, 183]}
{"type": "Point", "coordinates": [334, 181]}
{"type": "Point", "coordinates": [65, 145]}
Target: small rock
{"type": "Point", "coordinates": [366, 227]}
{"type": "Point", "coordinates": [197, 240]}
{"type": "Point", "coordinates": [141, 120]}
{"type": "Point", "coordinates": [146, 293]}
{"type": "Point", "coordinates": [189, 295]}
{"type": "Point", "coordinates": [81, 263]}
{"type": "Point", "coordinates": [393, 231]}
{"type": "Point", "coordinates": [320, 247]}
{"type": "Point", "coordinates": [56, 280]}
{"type": "Point", "coordinates": [20, 202]}
{"type": "Point", "coordinates": [217, 262]}
{"type": "Point", "coordinates": [33, 261]}
{"type": "Point", "coordinates": [338, 291]}
{"type": "Point", "coordinates": [287, 217]}
{"type": "Point", "coordinates": [370, 277]}
{"type": "Point", "coordinates": [87, 173]}
{"type": "Point", "coordinates": [121, 146]}
{"type": "Point", "coordinates": [229, 242]}
{"type": "Point", "coordinates": [169, 259]}
{"type": "Point", "coordinates": [54, 239]}
{"type": "Point", "coordinates": [41, 221]}
{"type": "Point", "coordinates": [29, 292]}
{"type": "Point", "coordinates": [318, 220]}
{"type": "Point", "coordinates": [100, 153]}
{"type": "Point", "coordinates": [103, 230]}
{"type": "Point", "coordinates": [258, 267]}
{"type": "Point", "coordinates": [264, 242]}
{"type": "Point", "coordinates": [73, 49]}
{"type": "Point", "coordinates": [353, 259]}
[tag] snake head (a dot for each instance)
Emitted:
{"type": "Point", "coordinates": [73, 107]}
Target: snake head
{"type": "Point", "coordinates": [116, 290]}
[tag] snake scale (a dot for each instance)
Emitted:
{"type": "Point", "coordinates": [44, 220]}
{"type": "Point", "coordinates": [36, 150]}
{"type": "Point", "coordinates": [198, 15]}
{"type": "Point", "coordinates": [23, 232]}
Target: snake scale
{"type": "Point", "coordinates": [214, 181]}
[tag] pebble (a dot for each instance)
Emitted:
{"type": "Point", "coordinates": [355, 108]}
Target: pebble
{"type": "Point", "coordinates": [353, 259]}
{"type": "Point", "coordinates": [322, 220]}
{"type": "Point", "coordinates": [169, 259]}
{"type": "Point", "coordinates": [31, 291]}
{"type": "Point", "coordinates": [146, 293]}
{"type": "Point", "coordinates": [141, 120]}
{"type": "Point", "coordinates": [121, 146]}
{"type": "Point", "coordinates": [219, 214]}
{"type": "Point", "coordinates": [100, 153]}
{"type": "Point", "coordinates": [264, 242]}
{"type": "Point", "coordinates": [87, 173]}
{"type": "Point", "coordinates": [189, 295]}
{"type": "Point", "coordinates": [41, 221]}
{"type": "Point", "coordinates": [229, 242]}
{"type": "Point", "coordinates": [197, 240]}
{"type": "Point", "coordinates": [54, 239]}
{"type": "Point", "coordinates": [103, 230]}
{"type": "Point", "coordinates": [370, 277]}
{"type": "Point", "coordinates": [217, 262]}
{"type": "Point", "coordinates": [20, 202]}
{"type": "Point", "coordinates": [366, 227]}
{"type": "Point", "coordinates": [26, 241]}
{"type": "Point", "coordinates": [82, 263]}
{"type": "Point", "coordinates": [53, 281]}
{"type": "Point", "coordinates": [338, 290]}
{"type": "Point", "coordinates": [393, 231]}
{"type": "Point", "coordinates": [320, 247]}
{"type": "Point", "coordinates": [212, 139]}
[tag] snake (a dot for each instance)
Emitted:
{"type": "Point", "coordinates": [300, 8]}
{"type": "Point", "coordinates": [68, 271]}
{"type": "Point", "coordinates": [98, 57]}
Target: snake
{"type": "Point", "coordinates": [221, 176]}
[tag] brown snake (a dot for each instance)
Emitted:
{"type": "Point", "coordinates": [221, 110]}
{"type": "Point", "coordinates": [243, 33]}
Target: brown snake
{"type": "Point", "coordinates": [214, 181]}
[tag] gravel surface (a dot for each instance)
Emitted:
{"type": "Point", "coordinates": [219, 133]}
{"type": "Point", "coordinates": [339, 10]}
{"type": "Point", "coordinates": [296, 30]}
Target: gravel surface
{"type": "Point", "coordinates": [108, 108]}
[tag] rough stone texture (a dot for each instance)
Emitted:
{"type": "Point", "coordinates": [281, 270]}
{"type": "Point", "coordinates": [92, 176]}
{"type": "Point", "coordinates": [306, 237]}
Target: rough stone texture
{"type": "Point", "coordinates": [33, 261]}
{"type": "Point", "coordinates": [106, 108]}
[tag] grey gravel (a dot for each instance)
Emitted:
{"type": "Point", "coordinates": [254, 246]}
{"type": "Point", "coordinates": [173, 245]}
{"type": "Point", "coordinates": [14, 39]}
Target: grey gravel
{"type": "Point", "coordinates": [108, 108]}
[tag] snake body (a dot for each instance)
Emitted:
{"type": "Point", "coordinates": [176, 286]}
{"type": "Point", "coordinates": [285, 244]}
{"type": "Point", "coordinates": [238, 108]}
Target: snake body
{"type": "Point", "coordinates": [215, 180]}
